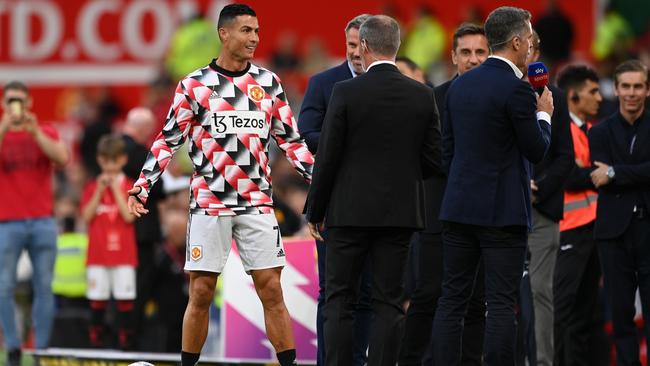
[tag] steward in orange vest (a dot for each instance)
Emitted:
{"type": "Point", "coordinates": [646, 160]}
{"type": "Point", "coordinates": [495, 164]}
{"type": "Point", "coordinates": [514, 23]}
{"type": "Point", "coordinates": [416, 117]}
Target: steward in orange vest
{"type": "Point", "coordinates": [579, 206]}
{"type": "Point", "coordinates": [577, 269]}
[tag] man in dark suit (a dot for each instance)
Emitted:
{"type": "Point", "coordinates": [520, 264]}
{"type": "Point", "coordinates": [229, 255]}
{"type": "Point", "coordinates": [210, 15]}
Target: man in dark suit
{"type": "Point", "coordinates": [137, 130]}
{"type": "Point", "coordinates": [469, 50]}
{"type": "Point", "coordinates": [494, 128]}
{"type": "Point", "coordinates": [620, 149]}
{"type": "Point", "coordinates": [380, 139]}
{"type": "Point", "coordinates": [310, 124]}
{"type": "Point", "coordinates": [547, 186]}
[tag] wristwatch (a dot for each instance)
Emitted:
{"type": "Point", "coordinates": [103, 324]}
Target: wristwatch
{"type": "Point", "coordinates": [611, 173]}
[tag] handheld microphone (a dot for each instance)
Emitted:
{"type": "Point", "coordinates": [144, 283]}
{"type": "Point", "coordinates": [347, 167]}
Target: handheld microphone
{"type": "Point", "coordinates": [538, 76]}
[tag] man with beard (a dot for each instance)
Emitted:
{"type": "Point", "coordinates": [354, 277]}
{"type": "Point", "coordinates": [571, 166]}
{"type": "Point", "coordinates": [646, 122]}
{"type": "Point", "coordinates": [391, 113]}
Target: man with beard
{"type": "Point", "coordinates": [230, 109]}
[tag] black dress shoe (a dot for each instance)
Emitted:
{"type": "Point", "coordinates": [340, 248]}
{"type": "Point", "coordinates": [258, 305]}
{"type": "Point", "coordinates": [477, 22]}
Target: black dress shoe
{"type": "Point", "coordinates": [13, 357]}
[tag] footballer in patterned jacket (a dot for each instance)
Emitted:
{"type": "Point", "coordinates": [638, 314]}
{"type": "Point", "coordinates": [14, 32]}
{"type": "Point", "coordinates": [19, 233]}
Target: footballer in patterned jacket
{"type": "Point", "coordinates": [230, 110]}
{"type": "Point", "coordinates": [230, 118]}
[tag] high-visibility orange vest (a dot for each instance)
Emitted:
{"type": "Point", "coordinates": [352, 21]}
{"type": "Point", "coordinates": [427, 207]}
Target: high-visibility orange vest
{"type": "Point", "coordinates": [579, 206]}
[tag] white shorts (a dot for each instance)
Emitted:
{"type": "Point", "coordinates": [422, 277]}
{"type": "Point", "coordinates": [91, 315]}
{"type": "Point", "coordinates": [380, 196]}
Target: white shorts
{"type": "Point", "coordinates": [209, 239]}
{"type": "Point", "coordinates": [102, 281]}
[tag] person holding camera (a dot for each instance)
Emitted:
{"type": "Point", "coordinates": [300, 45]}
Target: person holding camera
{"type": "Point", "coordinates": [29, 151]}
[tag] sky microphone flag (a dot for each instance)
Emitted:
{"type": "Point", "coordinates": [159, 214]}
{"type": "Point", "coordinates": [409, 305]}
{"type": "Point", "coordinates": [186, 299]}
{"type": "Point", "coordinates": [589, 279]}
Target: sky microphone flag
{"type": "Point", "coordinates": [538, 76]}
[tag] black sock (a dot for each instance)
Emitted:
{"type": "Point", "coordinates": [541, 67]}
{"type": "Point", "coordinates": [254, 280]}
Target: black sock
{"type": "Point", "coordinates": [287, 358]}
{"type": "Point", "coordinates": [189, 359]}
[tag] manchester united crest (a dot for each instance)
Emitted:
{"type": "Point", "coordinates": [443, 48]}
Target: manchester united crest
{"type": "Point", "coordinates": [256, 93]}
{"type": "Point", "coordinates": [196, 252]}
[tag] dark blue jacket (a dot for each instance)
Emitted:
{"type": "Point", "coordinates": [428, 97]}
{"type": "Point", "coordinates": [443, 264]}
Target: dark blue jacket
{"type": "Point", "coordinates": [491, 136]}
{"type": "Point", "coordinates": [610, 143]}
{"type": "Point", "coordinates": [314, 104]}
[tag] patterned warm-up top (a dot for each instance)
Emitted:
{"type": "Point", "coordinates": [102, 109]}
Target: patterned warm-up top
{"type": "Point", "coordinates": [229, 117]}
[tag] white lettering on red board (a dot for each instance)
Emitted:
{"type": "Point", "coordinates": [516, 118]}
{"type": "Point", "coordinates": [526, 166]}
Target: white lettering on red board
{"type": "Point", "coordinates": [131, 42]}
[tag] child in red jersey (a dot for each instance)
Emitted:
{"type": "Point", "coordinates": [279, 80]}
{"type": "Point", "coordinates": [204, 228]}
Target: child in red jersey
{"type": "Point", "coordinates": [112, 252]}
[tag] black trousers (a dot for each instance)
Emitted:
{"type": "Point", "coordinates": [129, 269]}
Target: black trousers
{"type": "Point", "coordinates": [362, 310]}
{"type": "Point", "coordinates": [575, 287]}
{"type": "Point", "coordinates": [417, 348]}
{"type": "Point", "coordinates": [626, 267]}
{"type": "Point", "coordinates": [502, 251]}
{"type": "Point", "coordinates": [145, 281]}
{"type": "Point", "coordinates": [347, 251]}
{"type": "Point", "coordinates": [526, 347]}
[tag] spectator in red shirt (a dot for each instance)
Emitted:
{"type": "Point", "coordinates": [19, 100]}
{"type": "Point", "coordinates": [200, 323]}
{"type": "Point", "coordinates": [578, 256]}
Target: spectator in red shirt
{"type": "Point", "coordinates": [28, 153]}
{"type": "Point", "coordinates": [112, 253]}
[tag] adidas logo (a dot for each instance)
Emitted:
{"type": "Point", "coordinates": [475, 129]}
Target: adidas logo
{"type": "Point", "coordinates": [214, 95]}
{"type": "Point", "coordinates": [280, 253]}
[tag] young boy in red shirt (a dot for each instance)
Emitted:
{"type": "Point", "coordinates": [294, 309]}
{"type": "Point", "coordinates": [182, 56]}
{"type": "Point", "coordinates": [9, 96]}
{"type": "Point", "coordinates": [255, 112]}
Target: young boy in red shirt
{"type": "Point", "coordinates": [112, 253]}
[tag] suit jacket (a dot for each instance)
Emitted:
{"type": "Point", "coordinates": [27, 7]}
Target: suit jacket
{"type": "Point", "coordinates": [434, 187]}
{"type": "Point", "coordinates": [380, 138]}
{"type": "Point", "coordinates": [490, 136]}
{"type": "Point", "coordinates": [147, 228]}
{"type": "Point", "coordinates": [609, 144]}
{"type": "Point", "coordinates": [316, 100]}
{"type": "Point", "coordinates": [551, 173]}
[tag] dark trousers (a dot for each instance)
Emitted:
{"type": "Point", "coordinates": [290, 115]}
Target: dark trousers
{"type": "Point", "coordinates": [626, 267]}
{"type": "Point", "coordinates": [145, 280]}
{"type": "Point", "coordinates": [362, 311]}
{"type": "Point", "coordinates": [502, 251]}
{"type": "Point", "coordinates": [348, 249]}
{"type": "Point", "coordinates": [526, 347]}
{"type": "Point", "coordinates": [575, 287]}
{"type": "Point", "coordinates": [417, 346]}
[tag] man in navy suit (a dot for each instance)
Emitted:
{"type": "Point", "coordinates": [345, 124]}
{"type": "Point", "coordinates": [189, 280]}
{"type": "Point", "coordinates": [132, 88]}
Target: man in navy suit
{"type": "Point", "coordinates": [494, 128]}
{"type": "Point", "coordinates": [469, 50]}
{"type": "Point", "coordinates": [319, 89]}
{"type": "Point", "coordinates": [310, 123]}
{"type": "Point", "coordinates": [620, 149]}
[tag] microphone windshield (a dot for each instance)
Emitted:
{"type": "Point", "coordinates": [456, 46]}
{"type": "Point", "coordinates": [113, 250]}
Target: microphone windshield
{"type": "Point", "coordinates": [538, 75]}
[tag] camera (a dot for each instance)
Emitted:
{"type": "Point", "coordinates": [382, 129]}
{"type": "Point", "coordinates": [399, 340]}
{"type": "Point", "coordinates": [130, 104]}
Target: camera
{"type": "Point", "coordinates": [16, 108]}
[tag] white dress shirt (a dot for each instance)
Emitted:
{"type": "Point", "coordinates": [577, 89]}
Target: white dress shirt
{"type": "Point", "coordinates": [540, 115]}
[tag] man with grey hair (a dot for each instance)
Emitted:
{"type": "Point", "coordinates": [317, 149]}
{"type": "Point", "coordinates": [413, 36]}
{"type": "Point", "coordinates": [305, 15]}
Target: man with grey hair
{"type": "Point", "coordinates": [310, 123]}
{"type": "Point", "coordinates": [494, 128]}
{"type": "Point", "coordinates": [380, 139]}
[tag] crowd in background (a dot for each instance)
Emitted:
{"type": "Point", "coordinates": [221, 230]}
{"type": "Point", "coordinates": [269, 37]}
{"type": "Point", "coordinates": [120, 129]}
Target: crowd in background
{"type": "Point", "coordinates": [160, 238]}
